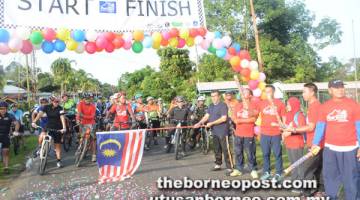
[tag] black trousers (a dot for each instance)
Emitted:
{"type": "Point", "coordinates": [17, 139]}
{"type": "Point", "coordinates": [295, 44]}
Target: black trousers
{"type": "Point", "coordinates": [221, 145]}
{"type": "Point", "coordinates": [313, 171]}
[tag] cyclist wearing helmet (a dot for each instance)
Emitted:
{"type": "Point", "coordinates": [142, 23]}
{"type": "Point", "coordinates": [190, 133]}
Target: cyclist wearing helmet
{"type": "Point", "coordinates": [18, 114]}
{"type": "Point", "coordinates": [176, 114]}
{"type": "Point", "coordinates": [43, 120]}
{"type": "Point", "coordinates": [123, 113]}
{"type": "Point", "coordinates": [138, 109]}
{"type": "Point", "coordinates": [86, 112]}
{"type": "Point", "coordinates": [153, 114]}
{"type": "Point", "coordinates": [56, 121]}
{"type": "Point", "coordinates": [69, 106]}
{"type": "Point", "coordinates": [6, 120]}
{"type": "Point", "coordinates": [108, 121]}
{"type": "Point", "coordinates": [198, 112]}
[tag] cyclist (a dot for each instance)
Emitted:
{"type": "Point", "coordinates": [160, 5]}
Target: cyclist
{"type": "Point", "coordinates": [198, 112]}
{"type": "Point", "coordinates": [86, 112]}
{"type": "Point", "coordinates": [108, 121]}
{"type": "Point", "coordinates": [6, 121]}
{"type": "Point", "coordinates": [139, 112]}
{"type": "Point", "coordinates": [43, 120]}
{"type": "Point", "coordinates": [178, 113]}
{"type": "Point", "coordinates": [123, 113]}
{"type": "Point", "coordinates": [56, 121]}
{"type": "Point", "coordinates": [18, 114]}
{"type": "Point", "coordinates": [153, 114]}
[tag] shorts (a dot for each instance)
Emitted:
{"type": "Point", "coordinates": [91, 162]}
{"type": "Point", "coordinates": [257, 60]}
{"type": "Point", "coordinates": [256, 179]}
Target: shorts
{"type": "Point", "coordinates": [56, 136]}
{"type": "Point", "coordinates": [92, 127]}
{"type": "Point", "coordinates": [5, 141]}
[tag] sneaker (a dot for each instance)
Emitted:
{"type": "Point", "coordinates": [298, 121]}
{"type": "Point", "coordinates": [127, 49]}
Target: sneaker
{"type": "Point", "coordinates": [93, 159]}
{"type": "Point", "coordinates": [254, 174]}
{"type": "Point", "coordinates": [228, 172]}
{"type": "Point", "coordinates": [216, 168]}
{"type": "Point", "coordinates": [183, 154]}
{"type": "Point", "coordinates": [235, 173]}
{"type": "Point", "coordinates": [58, 164]}
{"type": "Point", "coordinates": [266, 176]}
{"type": "Point", "coordinates": [276, 178]}
{"type": "Point", "coordinates": [296, 191]}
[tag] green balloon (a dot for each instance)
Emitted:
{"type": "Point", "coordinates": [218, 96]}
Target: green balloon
{"type": "Point", "coordinates": [212, 49]}
{"type": "Point", "coordinates": [36, 37]}
{"type": "Point", "coordinates": [137, 47]}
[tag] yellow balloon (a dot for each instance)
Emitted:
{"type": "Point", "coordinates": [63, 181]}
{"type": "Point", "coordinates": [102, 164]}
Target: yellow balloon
{"type": "Point", "coordinates": [263, 95]}
{"type": "Point", "coordinates": [254, 75]}
{"type": "Point", "coordinates": [63, 34]}
{"type": "Point", "coordinates": [190, 42]}
{"type": "Point", "coordinates": [262, 85]}
{"type": "Point", "coordinates": [157, 37]}
{"type": "Point", "coordinates": [184, 33]}
{"type": "Point", "coordinates": [173, 42]}
{"type": "Point", "coordinates": [138, 36]}
{"type": "Point", "coordinates": [156, 45]}
{"type": "Point", "coordinates": [71, 45]}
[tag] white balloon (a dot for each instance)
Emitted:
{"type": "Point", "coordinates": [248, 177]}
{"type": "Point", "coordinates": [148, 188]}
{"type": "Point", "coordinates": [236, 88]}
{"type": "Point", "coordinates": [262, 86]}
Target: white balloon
{"type": "Point", "coordinates": [262, 77]}
{"type": "Point", "coordinates": [218, 43]}
{"type": "Point", "coordinates": [257, 92]}
{"type": "Point", "coordinates": [244, 63]}
{"type": "Point", "coordinates": [227, 40]}
{"type": "Point", "coordinates": [210, 36]}
{"type": "Point", "coordinates": [80, 48]}
{"type": "Point", "coordinates": [128, 36]}
{"type": "Point", "coordinates": [254, 65]}
{"type": "Point", "coordinates": [15, 44]}
{"type": "Point", "coordinates": [23, 33]}
{"type": "Point", "coordinates": [198, 39]}
{"type": "Point", "coordinates": [91, 36]}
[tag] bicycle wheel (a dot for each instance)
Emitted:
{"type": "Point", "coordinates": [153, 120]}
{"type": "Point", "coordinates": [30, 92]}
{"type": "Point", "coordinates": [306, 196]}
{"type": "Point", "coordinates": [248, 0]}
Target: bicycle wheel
{"type": "Point", "coordinates": [67, 138]}
{"type": "Point", "coordinates": [43, 158]}
{"type": "Point", "coordinates": [177, 144]}
{"type": "Point", "coordinates": [78, 154]}
{"type": "Point", "coordinates": [82, 152]}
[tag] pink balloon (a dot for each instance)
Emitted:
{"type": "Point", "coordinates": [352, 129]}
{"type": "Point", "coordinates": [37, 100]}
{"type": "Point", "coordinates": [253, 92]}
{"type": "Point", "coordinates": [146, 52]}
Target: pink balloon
{"type": "Point", "coordinates": [253, 84]}
{"type": "Point", "coordinates": [110, 47]}
{"type": "Point", "coordinates": [26, 47]}
{"type": "Point", "coordinates": [127, 45]}
{"type": "Point", "coordinates": [205, 44]}
{"type": "Point", "coordinates": [90, 47]}
{"type": "Point", "coordinates": [166, 35]}
{"type": "Point", "coordinates": [4, 49]}
{"type": "Point", "coordinates": [218, 43]}
{"type": "Point", "coordinates": [101, 42]}
{"type": "Point", "coordinates": [227, 56]}
{"type": "Point", "coordinates": [181, 43]}
{"type": "Point", "coordinates": [49, 34]}
{"type": "Point", "coordinates": [15, 44]}
{"type": "Point", "coordinates": [257, 130]}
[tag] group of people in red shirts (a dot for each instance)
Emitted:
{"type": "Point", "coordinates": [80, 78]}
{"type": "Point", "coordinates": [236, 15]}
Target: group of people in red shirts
{"type": "Point", "coordinates": [330, 130]}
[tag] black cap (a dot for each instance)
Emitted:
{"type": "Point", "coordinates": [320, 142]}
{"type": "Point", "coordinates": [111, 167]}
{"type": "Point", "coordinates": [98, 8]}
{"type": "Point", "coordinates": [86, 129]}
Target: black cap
{"type": "Point", "coordinates": [336, 83]}
{"type": "Point", "coordinates": [229, 92]}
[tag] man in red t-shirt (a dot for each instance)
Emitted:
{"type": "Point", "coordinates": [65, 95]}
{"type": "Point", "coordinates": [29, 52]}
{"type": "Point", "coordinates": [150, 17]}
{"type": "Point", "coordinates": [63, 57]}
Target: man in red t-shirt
{"type": "Point", "coordinates": [86, 111]}
{"type": "Point", "coordinates": [339, 124]}
{"type": "Point", "coordinates": [124, 115]}
{"type": "Point", "coordinates": [244, 116]}
{"type": "Point", "coordinates": [312, 168]}
{"type": "Point", "coordinates": [272, 112]}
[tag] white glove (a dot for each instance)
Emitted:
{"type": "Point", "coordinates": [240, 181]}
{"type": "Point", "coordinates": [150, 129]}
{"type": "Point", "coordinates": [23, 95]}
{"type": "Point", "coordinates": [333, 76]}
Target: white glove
{"type": "Point", "coordinates": [33, 125]}
{"type": "Point", "coordinates": [15, 133]}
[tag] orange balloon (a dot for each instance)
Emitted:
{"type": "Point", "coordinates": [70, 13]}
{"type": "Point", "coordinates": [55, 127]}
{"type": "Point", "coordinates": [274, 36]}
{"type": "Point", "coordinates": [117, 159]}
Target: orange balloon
{"type": "Point", "coordinates": [245, 79]}
{"type": "Point", "coordinates": [235, 61]}
{"type": "Point", "coordinates": [164, 42]}
{"type": "Point", "coordinates": [263, 96]}
{"type": "Point", "coordinates": [138, 36]}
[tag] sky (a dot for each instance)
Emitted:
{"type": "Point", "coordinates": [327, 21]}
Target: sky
{"type": "Point", "coordinates": [109, 67]}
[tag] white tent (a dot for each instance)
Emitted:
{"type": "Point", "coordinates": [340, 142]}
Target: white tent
{"type": "Point", "coordinates": [10, 90]}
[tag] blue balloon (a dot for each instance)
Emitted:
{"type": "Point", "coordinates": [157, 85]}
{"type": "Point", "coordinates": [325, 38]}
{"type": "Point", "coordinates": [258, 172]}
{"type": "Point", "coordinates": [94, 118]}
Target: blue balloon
{"type": "Point", "coordinates": [148, 41]}
{"type": "Point", "coordinates": [4, 36]}
{"type": "Point", "coordinates": [217, 34]}
{"type": "Point", "coordinates": [47, 47]}
{"type": "Point", "coordinates": [59, 46]}
{"type": "Point", "coordinates": [78, 35]}
{"type": "Point", "coordinates": [237, 47]}
{"type": "Point", "coordinates": [221, 53]}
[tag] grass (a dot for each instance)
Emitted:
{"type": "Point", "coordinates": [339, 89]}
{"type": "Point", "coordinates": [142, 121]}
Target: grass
{"type": "Point", "coordinates": [17, 162]}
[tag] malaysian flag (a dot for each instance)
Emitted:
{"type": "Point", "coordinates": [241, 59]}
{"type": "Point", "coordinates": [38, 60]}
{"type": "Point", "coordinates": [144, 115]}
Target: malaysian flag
{"type": "Point", "coordinates": [119, 154]}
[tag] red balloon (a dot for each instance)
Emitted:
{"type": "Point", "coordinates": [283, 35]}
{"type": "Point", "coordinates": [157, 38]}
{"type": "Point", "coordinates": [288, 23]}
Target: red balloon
{"type": "Point", "coordinates": [110, 36]}
{"type": "Point", "coordinates": [236, 68]}
{"type": "Point", "coordinates": [118, 42]}
{"type": "Point", "coordinates": [164, 42]}
{"type": "Point", "coordinates": [181, 43]}
{"type": "Point", "coordinates": [101, 42]}
{"type": "Point", "coordinates": [90, 47]}
{"type": "Point", "coordinates": [244, 54]}
{"type": "Point", "coordinates": [26, 47]}
{"type": "Point", "coordinates": [110, 47]}
{"type": "Point", "coordinates": [245, 72]}
{"type": "Point", "coordinates": [232, 51]}
{"type": "Point", "coordinates": [193, 32]}
{"type": "Point", "coordinates": [49, 34]}
{"type": "Point", "coordinates": [202, 31]}
{"type": "Point", "coordinates": [253, 84]}
{"type": "Point", "coordinates": [174, 32]}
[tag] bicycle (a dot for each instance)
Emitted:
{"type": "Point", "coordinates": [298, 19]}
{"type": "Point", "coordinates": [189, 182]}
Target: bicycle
{"type": "Point", "coordinates": [178, 139]}
{"type": "Point", "coordinates": [83, 146]}
{"type": "Point", "coordinates": [205, 140]}
{"type": "Point", "coordinates": [44, 149]}
{"type": "Point", "coordinates": [68, 135]}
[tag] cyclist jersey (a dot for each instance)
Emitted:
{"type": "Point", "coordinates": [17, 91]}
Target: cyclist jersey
{"type": "Point", "coordinates": [43, 119]}
{"type": "Point", "coordinates": [17, 114]}
{"type": "Point", "coordinates": [199, 112]}
{"type": "Point", "coordinates": [53, 113]}
{"type": "Point", "coordinates": [69, 106]}
{"type": "Point", "coordinates": [121, 115]}
{"type": "Point", "coordinates": [86, 113]}
{"type": "Point", "coordinates": [180, 114]}
{"type": "Point", "coordinates": [152, 110]}
{"type": "Point", "coordinates": [5, 123]}
{"type": "Point", "coordinates": [139, 111]}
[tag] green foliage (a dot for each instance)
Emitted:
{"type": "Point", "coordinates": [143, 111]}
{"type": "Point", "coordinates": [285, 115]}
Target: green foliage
{"type": "Point", "coordinates": [212, 68]}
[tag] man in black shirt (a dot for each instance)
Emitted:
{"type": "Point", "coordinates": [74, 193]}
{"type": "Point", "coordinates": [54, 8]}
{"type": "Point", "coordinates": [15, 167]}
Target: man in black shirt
{"type": "Point", "coordinates": [56, 121]}
{"type": "Point", "coordinates": [180, 113]}
{"type": "Point", "coordinates": [6, 120]}
{"type": "Point", "coordinates": [217, 118]}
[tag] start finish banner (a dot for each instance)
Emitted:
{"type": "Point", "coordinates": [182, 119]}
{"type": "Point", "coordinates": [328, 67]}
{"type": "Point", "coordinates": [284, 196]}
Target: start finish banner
{"type": "Point", "coordinates": [103, 15]}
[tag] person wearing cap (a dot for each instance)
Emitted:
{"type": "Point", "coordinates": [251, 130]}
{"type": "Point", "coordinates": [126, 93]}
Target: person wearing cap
{"type": "Point", "coordinates": [339, 125]}
{"type": "Point", "coordinates": [152, 113]}
{"type": "Point", "coordinates": [6, 121]}
{"type": "Point", "coordinates": [217, 119]}
{"type": "Point", "coordinates": [198, 112]}
{"type": "Point", "coordinates": [56, 121]}
{"type": "Point", "coordinates": [124, 116]}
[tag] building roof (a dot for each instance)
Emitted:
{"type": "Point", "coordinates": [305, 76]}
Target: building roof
{"type": "Point", "coordinates": [10, 89]}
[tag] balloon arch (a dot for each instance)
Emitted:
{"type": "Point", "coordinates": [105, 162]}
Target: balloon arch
{"type": "Point", "coordinates": [49, 40]}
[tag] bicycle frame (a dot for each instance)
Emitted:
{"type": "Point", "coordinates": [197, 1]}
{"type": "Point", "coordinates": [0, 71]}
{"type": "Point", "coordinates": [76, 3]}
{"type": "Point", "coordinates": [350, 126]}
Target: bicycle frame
{"type": "Point", "coordinates": [46, 141]}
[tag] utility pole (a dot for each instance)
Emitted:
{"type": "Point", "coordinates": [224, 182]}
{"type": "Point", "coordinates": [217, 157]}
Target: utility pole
{"type": "Point", "coordinates": [355, 63]}
{"type": "Point", "coordinates": [257, 41]}
{"type": "Point", "coordinates": [27, 80]}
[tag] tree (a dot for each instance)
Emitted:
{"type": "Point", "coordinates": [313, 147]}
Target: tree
{"type": "Point", "coordinates": [131, 82]}
{"type": "Point", "coordinates": [211, 68]}
{"type": "Point", "coordinates": [2, 77]}
{"type": "Point", "coordinates": [46, 82]}
{"type": "Point", "coordinates": [63, 73]}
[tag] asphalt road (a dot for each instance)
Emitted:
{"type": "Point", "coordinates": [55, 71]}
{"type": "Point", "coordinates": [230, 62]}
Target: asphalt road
{"type": "Point", "coordinates": [71, 182]}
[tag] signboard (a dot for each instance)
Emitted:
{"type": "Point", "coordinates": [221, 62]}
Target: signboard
{"type": "Point", "coordinates": [103, 15]}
